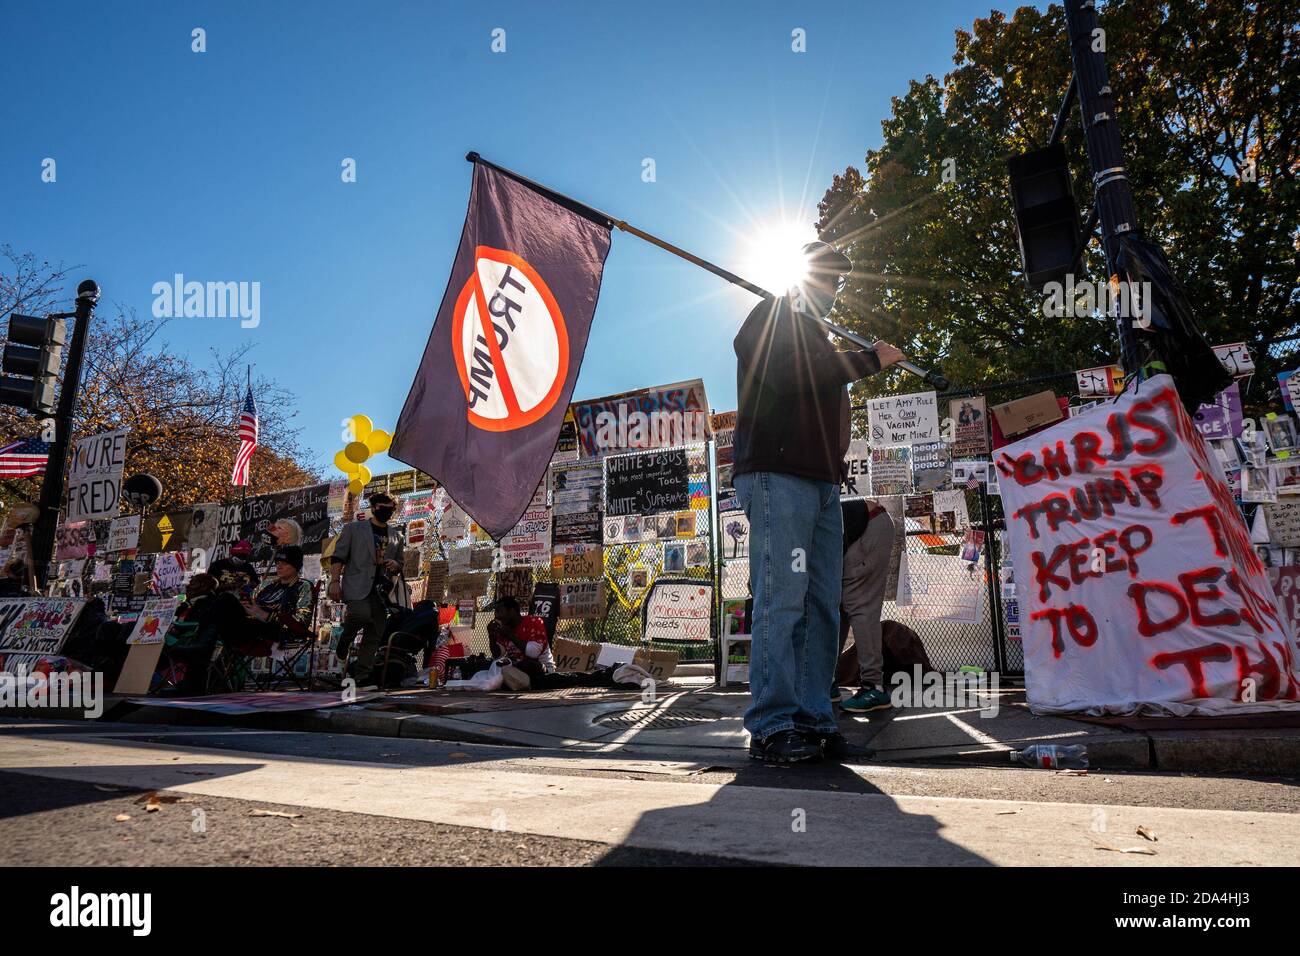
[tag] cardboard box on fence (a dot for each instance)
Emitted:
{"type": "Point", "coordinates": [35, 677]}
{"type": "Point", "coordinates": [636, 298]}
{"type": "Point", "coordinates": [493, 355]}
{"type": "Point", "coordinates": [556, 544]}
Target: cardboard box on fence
{"type": "Point", "coordinates": [574, 657]}
{"type": "Point", "coordinates": [658, 664]}
{"type": "Point", "coordinates": [1023, 415]}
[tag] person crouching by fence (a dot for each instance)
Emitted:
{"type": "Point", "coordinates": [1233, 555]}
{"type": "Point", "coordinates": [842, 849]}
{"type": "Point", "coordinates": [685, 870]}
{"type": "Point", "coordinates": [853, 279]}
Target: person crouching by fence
{"type": "Point", "coordinates": [792, 433]}
{"type": "Point", "coordinates": [868, 549]}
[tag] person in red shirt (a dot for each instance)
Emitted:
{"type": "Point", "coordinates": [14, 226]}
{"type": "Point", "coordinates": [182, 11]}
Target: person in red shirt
{"type": "Point", "coordinates": [519, 637]}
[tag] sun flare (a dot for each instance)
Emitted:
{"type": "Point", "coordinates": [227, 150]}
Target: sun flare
{"type": "Point", "coordinates": [773, 258]}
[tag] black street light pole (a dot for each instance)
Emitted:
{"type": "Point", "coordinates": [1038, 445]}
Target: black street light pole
{"type": "Point", "coordinates": [52, 485]}
{"type": "Point", "coordinates": [1114, 198]}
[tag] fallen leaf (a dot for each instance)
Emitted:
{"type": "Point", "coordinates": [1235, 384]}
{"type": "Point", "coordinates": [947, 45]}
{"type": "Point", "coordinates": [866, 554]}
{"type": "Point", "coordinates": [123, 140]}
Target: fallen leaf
{"type": "Point", "coordinates": [274, 813]}
{"type": "Point", "coordinates": [1144, 851]}
{"type": "Point", "coordinates": [122, 817]}
{"type": "Point", "coordinates": [1148, 833]}
{"type": "Point", "coordinates": [458, 755]}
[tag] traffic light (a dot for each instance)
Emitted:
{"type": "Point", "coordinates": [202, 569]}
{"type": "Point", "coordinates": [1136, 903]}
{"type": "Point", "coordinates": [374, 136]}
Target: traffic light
{"type": "Point", "coordinates": [34, 351]}
{"type": "Point", "coordinates": [1047, 220]}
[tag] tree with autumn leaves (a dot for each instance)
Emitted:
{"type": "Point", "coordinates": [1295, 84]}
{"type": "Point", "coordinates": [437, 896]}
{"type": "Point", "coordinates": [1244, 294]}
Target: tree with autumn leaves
{"type": "Point", "coordinates": [182, 414]}
{"type": "Point", "coordinates": [1208, 102]}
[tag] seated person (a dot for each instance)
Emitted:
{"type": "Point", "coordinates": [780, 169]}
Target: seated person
{"type": "Point", "coordinates": [519, 637]}
{"type": "Point", "coordinates": [279, 611]}
{"type": "Point", "coordinates": [236, 572]}
{"type": "Point", "coordinates": [191, 639]}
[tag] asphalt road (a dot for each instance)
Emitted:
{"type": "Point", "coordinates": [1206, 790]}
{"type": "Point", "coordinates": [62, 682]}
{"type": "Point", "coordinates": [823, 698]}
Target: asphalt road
{"type": "Point", "coordinates": [368, 800]}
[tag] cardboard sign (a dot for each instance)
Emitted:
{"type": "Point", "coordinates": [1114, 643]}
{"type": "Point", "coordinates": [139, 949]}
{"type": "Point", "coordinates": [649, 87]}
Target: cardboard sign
{"type": "Point", "coordinates": [679, 611]}
{"type": "Point", "coordinates": [37, 625]}
{"type": "Point", "coordinates": [582, 600]}
{"type": "Point", "coordinates": [574, 657]}
{"type": "Point", "coordinates": [168, 572]}
{"type": "Point", "coordinates": [1221, 419]}
{"type": "Point", "coordinates": [1026, 414]}
{"type": "Point", "coordinates": [529, 541]}
{"type": "Point", "coordinates": [1137, 582]}
{"type": "Point", "coordinates": [648, 418]}
{"type": "Point", "coordinates": [646, 484]}
{"type": "Point", "coordinates": [578, 561]}
{"type": "Point", "coordinates": [939, 587]}
{"type": "Point", "coordinates": [152, 624]}
{"type": "Point", "coordinates": [657, 663]}
{"type": "Point", "coordinates": [1283, 522]}
{"type": "Point", "coordinates": [971, 435]}
{"type": "Point", "coordinates": [95, 477]}
{"type": "Point", "coordinates": [857, 483]}
{"type": "Point", "coordinates": [891, 471]}
{"type": "Point", "coordinates": [74, 540]}
{"type": "Point", "coordinates": [1104, 380]}
{"type": "Point", "coordinates": [124, 534]}
{"type": "Point", "coordinates": [903, 419]}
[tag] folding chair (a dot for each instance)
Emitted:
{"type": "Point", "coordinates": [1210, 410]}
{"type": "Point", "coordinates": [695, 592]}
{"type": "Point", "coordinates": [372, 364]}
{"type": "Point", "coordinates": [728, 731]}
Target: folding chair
{"type": "Point", "coordinates": [182, 638]}
{"type": "Point", "coordinates": [284, 666]}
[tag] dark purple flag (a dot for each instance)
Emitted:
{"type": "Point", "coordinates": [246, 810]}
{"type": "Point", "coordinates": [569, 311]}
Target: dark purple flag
{"type": "Point", "coordinates": [484, 410]}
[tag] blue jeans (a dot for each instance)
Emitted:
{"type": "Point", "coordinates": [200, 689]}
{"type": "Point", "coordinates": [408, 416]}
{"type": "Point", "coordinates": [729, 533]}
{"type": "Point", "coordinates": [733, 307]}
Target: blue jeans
{"type": "Point", "coordinates": [796, 558]}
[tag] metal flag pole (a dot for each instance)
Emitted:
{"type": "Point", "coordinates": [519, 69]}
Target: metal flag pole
{"type": "Point", "coordinates": [932, 378]}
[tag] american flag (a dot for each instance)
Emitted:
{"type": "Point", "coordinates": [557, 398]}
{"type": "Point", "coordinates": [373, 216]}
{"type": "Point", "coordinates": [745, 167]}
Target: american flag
{"type": "Point", "coordinates": [24, 458]}
{"type": "Point", "coordinates": [247, 440]}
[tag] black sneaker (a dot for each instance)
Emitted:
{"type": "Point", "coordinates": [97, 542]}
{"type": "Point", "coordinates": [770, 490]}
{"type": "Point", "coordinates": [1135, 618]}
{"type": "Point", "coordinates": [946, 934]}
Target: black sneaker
{"type": "Point", "coordinates": [786, 746]}
{"type": "Point", "coordinates": [834, 747]}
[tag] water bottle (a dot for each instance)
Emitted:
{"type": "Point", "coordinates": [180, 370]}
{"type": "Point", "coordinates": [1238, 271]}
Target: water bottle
{"type": "Point", "coordinates": [1053, 757]}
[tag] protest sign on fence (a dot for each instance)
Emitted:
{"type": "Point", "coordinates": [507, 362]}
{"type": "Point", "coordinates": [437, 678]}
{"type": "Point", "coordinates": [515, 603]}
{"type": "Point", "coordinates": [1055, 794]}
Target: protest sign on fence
{"type": "Point", "coordinates": [73, 540]}
{"type": "Point", "coordinates": [529, 542]}
{"type": "Point", "coordinates": [95, 476]}
{"type": "Point", "coordinates": [646, 484]}
{"type": "Point", "coordinates": [124, 534]}
{"type": "Point", "coordinates": [679, 611]}
{"type": "Point", "coordinates": [857, 479]}
{"type": "Point", "coordinates": [971, 432]}
{"type": "Point", "coordinates": [37, 625]}
{"type": "Point", "coordinates": [582, 600]}
{"type": "Point", "coordinates": [895, 420]}
{"type": "Point", "coordinates": [1138, 587]}
{"type": "Point", "coordinates": [660, 417]}
{"type": "Point", "coordinates": [154, 620]}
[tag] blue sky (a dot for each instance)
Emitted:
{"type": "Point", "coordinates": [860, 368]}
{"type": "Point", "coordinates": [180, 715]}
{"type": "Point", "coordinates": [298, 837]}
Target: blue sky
{"type": "Point", "coordinates": [225, 165]}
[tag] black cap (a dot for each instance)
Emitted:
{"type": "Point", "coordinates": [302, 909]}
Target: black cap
{"type": "Point", "coordinates": [825, 262]}
{"type": "Point", "coordinates": [290, 554]}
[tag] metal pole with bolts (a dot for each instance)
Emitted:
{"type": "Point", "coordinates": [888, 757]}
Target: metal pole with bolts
{"type": "Point", "coordinates": [52, 485]}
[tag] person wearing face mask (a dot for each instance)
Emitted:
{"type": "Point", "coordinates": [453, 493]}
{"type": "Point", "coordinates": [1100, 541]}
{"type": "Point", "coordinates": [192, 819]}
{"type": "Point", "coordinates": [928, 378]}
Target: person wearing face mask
{"type": "Point", "coordinates": [366, 555]}
{"type": "Point", "coordinates": [792, 433]}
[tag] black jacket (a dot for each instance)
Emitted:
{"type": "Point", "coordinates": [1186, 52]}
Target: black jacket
{"type": "Point", "coordinates": [794, 404]}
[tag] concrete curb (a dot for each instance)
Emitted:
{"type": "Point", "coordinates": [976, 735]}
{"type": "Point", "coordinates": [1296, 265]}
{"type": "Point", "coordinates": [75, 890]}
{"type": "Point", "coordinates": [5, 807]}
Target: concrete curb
{"type": "Point", "coordinates": [1254, 751]}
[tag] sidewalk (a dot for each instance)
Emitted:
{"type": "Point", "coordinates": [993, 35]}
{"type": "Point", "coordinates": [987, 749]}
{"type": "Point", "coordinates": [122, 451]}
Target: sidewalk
{"type": "Point", "coordinates": [692, 720]}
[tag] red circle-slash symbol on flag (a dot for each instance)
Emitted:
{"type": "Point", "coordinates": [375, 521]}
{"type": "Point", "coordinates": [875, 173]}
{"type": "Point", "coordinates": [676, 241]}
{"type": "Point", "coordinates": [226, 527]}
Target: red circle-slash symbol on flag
{"type": "Point", "coordinates": [510, 342]}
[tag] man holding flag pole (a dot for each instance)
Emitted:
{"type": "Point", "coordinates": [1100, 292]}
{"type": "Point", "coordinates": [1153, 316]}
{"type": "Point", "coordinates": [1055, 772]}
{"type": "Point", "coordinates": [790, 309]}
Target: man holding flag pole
{"type": "Point", "coordinates": [498, 372]}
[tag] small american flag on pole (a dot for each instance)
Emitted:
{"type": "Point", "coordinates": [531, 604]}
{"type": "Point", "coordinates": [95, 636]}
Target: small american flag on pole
{"type": "Point", "coordinates": [247, 440]}
{"type": "Point", "coordinates": [24, 459]}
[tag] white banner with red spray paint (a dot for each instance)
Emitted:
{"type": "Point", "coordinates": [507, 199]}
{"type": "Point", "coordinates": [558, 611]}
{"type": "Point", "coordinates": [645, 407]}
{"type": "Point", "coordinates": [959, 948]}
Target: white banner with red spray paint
{"type": "Point", "coordinates": [1138, 586]}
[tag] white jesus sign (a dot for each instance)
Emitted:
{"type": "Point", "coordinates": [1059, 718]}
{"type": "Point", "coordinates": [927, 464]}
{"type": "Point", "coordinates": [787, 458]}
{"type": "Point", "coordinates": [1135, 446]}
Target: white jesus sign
{"type": "Point", "coordinates": [1138, 586]}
